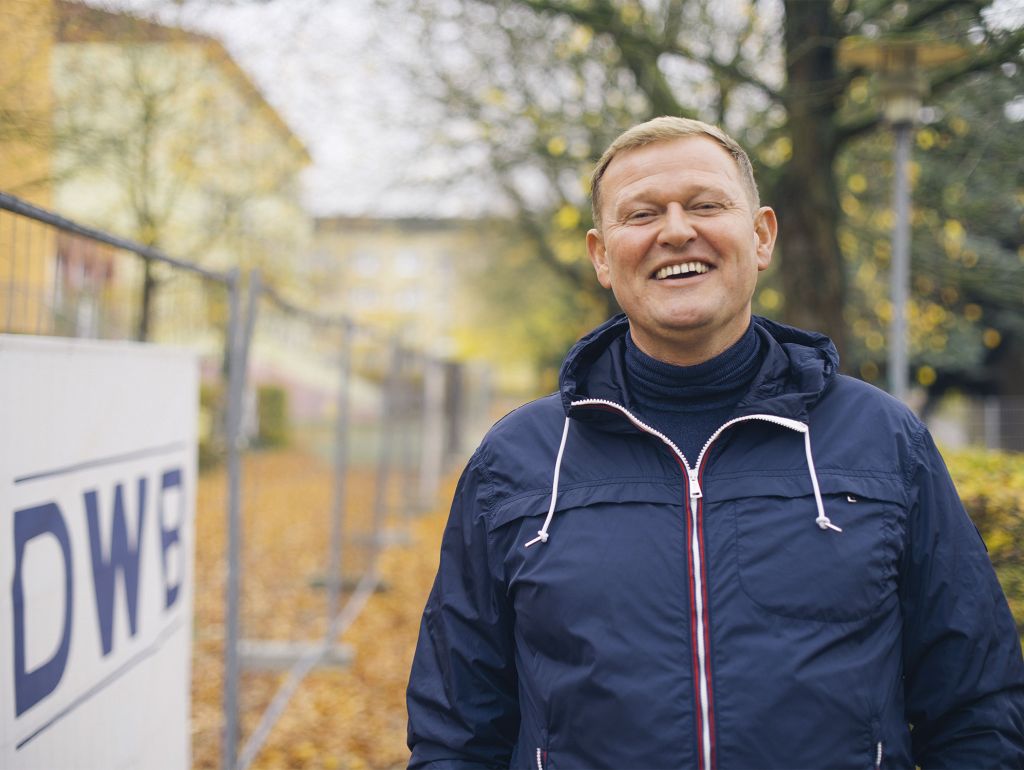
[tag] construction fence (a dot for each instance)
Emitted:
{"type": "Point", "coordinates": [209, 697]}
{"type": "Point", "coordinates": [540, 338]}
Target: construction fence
{"type": "Point", "coordinates": [388, 421]}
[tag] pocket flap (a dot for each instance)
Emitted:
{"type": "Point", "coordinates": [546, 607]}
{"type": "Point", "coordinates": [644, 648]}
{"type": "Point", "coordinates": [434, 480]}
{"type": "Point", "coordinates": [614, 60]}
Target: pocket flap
{"type": "Point", "coordinates": [592, 493]}
{"type": "Point", "coordinates": [797, 483]}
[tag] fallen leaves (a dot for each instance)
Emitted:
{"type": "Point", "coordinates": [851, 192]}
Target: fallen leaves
{"type": "Point", "coordinates": [339, 719]}
{"type": "Point", "coordinates": [354, 718]}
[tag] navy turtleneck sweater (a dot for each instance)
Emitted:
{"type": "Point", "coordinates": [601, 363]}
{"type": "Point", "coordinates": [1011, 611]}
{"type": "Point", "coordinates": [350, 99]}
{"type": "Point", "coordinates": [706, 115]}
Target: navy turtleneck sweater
{"type": "Point", "coordinates": [689, 403]}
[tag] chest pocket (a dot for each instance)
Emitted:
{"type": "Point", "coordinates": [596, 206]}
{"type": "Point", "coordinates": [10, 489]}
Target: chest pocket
{"type": "Point", "coordinates": [615, 555]}
{"type": "Point", "coordinates": [791, 567]}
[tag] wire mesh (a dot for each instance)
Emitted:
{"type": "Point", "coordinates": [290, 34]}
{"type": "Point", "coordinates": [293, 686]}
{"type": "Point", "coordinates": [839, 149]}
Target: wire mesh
{"type": "Point", "coordinates": [365, 425]}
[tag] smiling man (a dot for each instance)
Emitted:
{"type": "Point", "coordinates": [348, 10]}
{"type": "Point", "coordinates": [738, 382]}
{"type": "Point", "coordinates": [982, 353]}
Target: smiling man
{"type": "Point", "coordinates": [679, 239]}
{"type": "Point", "coordinates": [654, 567]}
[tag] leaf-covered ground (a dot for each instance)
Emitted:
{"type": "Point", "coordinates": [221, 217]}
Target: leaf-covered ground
{"type": "Point", "coordinates": [348, 718]}
{"type": "Point", "coordinates": [355, 717]}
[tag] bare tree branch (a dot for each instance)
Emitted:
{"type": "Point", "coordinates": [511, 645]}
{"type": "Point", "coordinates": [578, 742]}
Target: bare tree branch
{"type": "Point", "coordinates": [1008, 50]}
{"type": "Point", "coordinates": [857, 126]}
{"type": "Point", "coordinates": [641, 51]}
{"type": "Point", "coordinates": [924, 12]}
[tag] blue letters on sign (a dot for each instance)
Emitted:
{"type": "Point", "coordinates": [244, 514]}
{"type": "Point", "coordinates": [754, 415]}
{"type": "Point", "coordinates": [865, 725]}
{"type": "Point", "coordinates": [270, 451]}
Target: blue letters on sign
{"type": "Point", "coordinates": [30, 687]}
{"type": "Point", "coordinates": [122, 558]}
{"type": "Point", "coordinates": [170, 536]}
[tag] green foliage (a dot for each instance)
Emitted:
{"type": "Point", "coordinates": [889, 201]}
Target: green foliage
{"type": "Point", "coordinates": [272, 412]}
{"type": "Point", "coordinates": [526, 313]}
{"type": "Point", "coordinates": [211, 424]}
{"type": "Point", "coordinates": [991, 485]}
{"type": "Point", "coordinates": [967, 287]}
{"type": "Point", "coordinates": [531, 91]}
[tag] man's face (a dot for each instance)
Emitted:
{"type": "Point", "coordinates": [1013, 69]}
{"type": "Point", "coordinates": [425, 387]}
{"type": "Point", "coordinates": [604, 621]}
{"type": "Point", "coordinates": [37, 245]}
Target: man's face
{"type": "Point", "coordinates": [680, 246]}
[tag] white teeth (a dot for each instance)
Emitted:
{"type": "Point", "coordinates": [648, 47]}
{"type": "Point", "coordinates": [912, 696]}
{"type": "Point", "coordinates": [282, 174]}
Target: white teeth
{"type": "Point", "coordinates": [681, 269]}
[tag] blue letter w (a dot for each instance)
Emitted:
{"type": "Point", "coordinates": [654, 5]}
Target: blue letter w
{"type": "Point", "coordinates": [123, 557]}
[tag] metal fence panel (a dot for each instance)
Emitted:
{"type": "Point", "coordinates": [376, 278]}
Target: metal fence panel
{"type": "Point", "coordinates": [369, 425]}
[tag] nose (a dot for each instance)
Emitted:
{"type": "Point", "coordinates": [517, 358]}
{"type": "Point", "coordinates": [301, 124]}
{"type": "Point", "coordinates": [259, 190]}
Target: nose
{"type": "Point", "coordinates": [676, 229]}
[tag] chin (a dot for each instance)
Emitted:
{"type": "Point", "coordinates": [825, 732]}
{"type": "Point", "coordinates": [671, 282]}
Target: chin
{"type": "Point", "coordinates": [685, 322]}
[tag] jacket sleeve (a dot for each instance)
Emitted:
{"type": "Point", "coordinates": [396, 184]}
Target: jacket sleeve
{"type": "Point", "coordinates": [462, 695]}
{"type": "Point", "coordinates": [961, 652]}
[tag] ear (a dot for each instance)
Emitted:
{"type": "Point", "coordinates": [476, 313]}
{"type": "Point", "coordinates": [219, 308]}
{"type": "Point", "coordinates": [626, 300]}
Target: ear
{"type": "Point", "coordinates": [766, 228]}
{"type": "Point", "coordinates": [599, 258]}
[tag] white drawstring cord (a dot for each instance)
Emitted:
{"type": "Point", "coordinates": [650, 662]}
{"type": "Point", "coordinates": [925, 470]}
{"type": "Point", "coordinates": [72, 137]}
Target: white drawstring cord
{"type": "Point", "coordinates": [542, 533]}
{"type": "Point", "coordinates": [822, 521]}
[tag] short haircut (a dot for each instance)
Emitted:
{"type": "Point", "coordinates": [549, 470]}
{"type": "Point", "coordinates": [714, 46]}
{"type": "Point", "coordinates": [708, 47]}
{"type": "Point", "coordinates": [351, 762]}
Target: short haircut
{"type": "Point", "coordinates": [665, 129]}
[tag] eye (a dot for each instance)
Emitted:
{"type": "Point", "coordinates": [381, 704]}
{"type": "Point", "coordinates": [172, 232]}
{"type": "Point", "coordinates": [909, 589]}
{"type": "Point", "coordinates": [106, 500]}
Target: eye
{"type": "Point", "coordinates": [707, 206]}
{"type": "Point", "coordinates": [639, 215]}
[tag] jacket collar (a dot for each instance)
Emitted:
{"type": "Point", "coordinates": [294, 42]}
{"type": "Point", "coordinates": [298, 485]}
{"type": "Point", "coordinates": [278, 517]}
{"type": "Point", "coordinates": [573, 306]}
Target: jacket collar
{"type": "Point", "coordinates": [797, 368]}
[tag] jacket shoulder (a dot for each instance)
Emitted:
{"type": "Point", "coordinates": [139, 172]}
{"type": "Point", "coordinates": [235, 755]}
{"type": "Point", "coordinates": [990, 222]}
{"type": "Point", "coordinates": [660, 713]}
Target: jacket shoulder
{"type": "Point", "coordinates": [851, 395]}
{"type": "Point", "coordinates": [541, 411]}
{"type": "Point", "coordinates": [518, 453]}
{"type": "Point", "coordinates": [858, 426]}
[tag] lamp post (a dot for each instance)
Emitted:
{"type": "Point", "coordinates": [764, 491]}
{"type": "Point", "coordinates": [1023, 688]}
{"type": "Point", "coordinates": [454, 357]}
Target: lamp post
{"type": "Point", "coordinates": [899, 64]}
{"type": "Point", "coordinates": [903, 89]}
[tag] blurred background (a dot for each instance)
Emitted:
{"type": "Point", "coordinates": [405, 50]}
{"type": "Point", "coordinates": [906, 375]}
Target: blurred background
{"type": "Point", "coordinates": [401, 189]}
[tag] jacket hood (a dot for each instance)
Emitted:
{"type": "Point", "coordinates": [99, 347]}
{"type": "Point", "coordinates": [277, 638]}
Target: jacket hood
{"type": "Point", "coordinates": [798, 366]}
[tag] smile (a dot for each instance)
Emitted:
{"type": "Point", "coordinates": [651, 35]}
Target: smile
{"type": "Point", "coordinates": [681, 270]}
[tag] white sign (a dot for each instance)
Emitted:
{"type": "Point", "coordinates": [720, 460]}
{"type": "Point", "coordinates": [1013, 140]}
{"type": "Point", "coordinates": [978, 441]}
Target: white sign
{"type": "Point", "coordinates": [97, 509]}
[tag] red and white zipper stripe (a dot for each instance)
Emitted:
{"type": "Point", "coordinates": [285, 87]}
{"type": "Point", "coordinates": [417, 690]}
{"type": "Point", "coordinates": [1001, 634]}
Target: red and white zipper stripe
{"type": "Point", "coordinates": [697, 572]}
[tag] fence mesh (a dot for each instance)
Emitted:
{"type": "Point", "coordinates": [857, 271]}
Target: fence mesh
{"type": "Point", "coordinates": [359, 425]}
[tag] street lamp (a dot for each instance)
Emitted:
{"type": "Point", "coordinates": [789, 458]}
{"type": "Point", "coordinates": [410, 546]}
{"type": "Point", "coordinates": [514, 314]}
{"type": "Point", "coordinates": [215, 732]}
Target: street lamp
{"type": "Point", "coordinates": [899, 64]}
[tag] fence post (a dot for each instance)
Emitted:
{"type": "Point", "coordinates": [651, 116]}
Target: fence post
{"type": "Point", "coordinates": [992, 418]}
{"type": "Point", "coordinates": [385, 457]}
{"type": "Point", "coordinates": [405, 410]}
{"type": "Point", "coordinates": [13, 274]}
{"type": "Point", "coordinates": [240, 329]}
{"type": "Point", "coordinates": [432, 445]}
{"type": "Point", "coordinates": [338, 505]}
{"type": "Point", "coordinates": [455, 411]}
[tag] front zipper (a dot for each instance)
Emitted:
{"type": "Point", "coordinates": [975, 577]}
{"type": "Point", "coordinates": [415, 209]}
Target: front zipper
{"type": "Point", "coordinates": [876, 736]}
{"type": "Point", "coordinates": [698, 595]}
{"type": "Point", "coordinates": [540, 759]}
{"type": "Point", "coordinates": [695, 493]}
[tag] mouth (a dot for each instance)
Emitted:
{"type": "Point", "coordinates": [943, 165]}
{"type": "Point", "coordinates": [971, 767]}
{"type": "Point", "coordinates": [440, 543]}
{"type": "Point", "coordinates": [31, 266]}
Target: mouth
{"type": "Point", "coordinates": [680, 271]}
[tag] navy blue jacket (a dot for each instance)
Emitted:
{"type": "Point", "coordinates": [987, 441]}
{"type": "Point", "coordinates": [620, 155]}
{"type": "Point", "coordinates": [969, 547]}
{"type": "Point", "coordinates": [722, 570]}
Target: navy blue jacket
{"type": "Point", "coordinates": [604, 602]}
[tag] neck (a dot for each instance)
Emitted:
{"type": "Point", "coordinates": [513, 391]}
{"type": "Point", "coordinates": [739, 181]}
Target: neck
{"type": "Point", "coordinates": [732, 368]}
{"type": "Point", "coordinates": [689, 402]}
{"type": "Point", "coordinates": [695, 348]}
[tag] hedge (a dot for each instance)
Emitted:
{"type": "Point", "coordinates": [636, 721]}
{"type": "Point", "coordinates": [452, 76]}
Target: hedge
{"type": "Point", "coordinates": [991, 485]}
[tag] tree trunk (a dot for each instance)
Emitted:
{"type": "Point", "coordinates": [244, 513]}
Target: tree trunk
{"type": "Point", "coordinates": [813, 278]}
{"type": "Point", "coordinates": [146, 304]}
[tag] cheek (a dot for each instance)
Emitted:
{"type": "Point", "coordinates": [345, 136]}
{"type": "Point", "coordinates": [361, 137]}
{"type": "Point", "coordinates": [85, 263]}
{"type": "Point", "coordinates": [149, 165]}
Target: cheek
{"type": "Point", "coordinates": [628, 254]}
{"type": "Point", "coordinates": [746, 280]}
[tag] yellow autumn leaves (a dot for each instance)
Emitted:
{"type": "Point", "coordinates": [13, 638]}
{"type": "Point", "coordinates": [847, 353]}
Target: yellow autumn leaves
{"type": "Point", "coordinates": [991, 485]}
{"type": "Point", "coordinates": [340, 719]}
{"type": "Point", "coordinates": [354, 718]}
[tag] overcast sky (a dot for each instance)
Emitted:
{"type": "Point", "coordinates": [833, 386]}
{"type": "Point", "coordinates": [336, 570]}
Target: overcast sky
{"type": "Point", "coordinates": [324, 66]}
{"type": "Point", "coordinates": [328, 67]}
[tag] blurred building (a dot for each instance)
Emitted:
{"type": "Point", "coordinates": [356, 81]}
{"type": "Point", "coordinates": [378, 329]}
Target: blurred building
{"type": "Point", "coordinates": [152, 133]}
{"type": "Point", "coordinates": [407, 275]}
{"type": "Point", "coordinates": [26, 99]}
{"type": "Point", "coordinates": [163, 135]}
{"type": "Point", "coordinates": [26, 116]}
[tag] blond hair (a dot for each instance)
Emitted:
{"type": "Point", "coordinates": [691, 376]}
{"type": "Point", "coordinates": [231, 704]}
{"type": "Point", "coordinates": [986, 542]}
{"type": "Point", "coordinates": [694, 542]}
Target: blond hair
{"type": "Point", "coordinates": [666, 129]}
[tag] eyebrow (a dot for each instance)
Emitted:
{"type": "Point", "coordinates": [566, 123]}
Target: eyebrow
{"type": "Point", "coordinates": [691, 192]}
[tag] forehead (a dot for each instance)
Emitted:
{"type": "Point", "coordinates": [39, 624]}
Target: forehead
{"type": "Point", "coordinates": [688, 160]}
